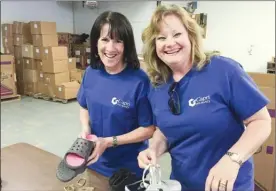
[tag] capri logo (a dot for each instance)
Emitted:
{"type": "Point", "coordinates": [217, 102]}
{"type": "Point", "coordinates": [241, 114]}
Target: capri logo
{"type": "Point", "coordinates": [119, 102]}
{"type": "Point", "coordinates": [199, 100]}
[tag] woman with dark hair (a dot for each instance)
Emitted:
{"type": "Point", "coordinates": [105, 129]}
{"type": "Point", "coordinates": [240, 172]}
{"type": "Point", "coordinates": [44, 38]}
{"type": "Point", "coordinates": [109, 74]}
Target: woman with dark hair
{"type": "Point", "coordinates": [113, 100]}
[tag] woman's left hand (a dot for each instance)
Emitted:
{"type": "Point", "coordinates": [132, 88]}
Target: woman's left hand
{"type": "Point", "coordinates": [223, 175]}
{"type": "Point", "coordinates": [101, 146]}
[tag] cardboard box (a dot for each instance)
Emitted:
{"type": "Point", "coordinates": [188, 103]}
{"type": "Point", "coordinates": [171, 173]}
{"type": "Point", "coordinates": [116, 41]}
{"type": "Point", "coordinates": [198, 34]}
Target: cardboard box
{"type": "Point", "coordinates": [263, 79]}
{"type": "Point", "coordinates": [28, 51]}
{"type": "Point", "coordinates": [19, 39]}
{"type": "Point", "coordinates": [55, 53]}
{"type": "Point", "coordinates": [20, 87]}
{"type": "Point", "coordinates": [45, 89]}
{"type": "Point", "coordinates": [18, 52]}
{"type": "Point", "coordinates": [68, 90]}
{"type": "Point", "coordinates": [72, 63]}
{"type": "Point", "coordinates": [30, 88]}
{"type": "Point", "coordinates": [8, 77]}
{"type": "Point", "coordinates": [76, 75]}
{"type": "Point", "coordinates": [56, 79]}
{"type": "Point", "coordinates": [40, 76]}
{"type": "Point", "coordinates": [81, 62]}
{"type": "Point", "coordinates": [64, 38]}
{"type": "Point", "coordinates": [55, 66]}
{"type": "Point", "coordinates": [19, 67]}
{"type": "Point", "coordinates": [22, 28]}
{"type": "Point", "coordinates": [7, 29]}
{"type": "Point", "coordinates": [45, 40]}
{"type": "Point", "coordinates": [81, 50]}
{"type": "Point", "coordinates": [30, 76]}
{"type": "Point", "coordinates": [38, 64]}
{"type": "Point", "coordinates": [8, 50]}
{"type": "Point", "coordinates": [43, 27]}
{"type": "Point", "coordinates": [38, 52]}
{"type": "Point", "coordinates": [264, 160]}
{"type": "Point", "coordinates": [29, 63]}
{"type": "Point", "coordinates": [7, 41]}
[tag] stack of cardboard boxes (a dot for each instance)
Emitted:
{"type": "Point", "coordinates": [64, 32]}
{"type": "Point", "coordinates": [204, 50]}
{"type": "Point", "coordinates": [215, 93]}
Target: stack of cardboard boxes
{"type": "Point", "coordinates": [8, 78]}
{"type": "Point", "coordinates": [65, 39]}
{"type": "Point", "coordinates": [42, 66]}
{"type": "Point", "coordinates": [264, 158]}
{"type": "Point", "coordinates": [82, 54]}
{"type": "Point", "coordinates": [14, 36]}
{"type": "Point", "coordinates": [46, 65]}
{"type": "Point", "coordinates": [7, 39]}
{"type": "Point", "coordinates": [271, 66]}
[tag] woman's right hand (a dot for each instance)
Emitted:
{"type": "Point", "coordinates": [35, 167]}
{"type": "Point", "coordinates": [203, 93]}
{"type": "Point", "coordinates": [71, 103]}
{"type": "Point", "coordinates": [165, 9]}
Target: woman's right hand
{"type": "Point", "coordinates": [147, 157]}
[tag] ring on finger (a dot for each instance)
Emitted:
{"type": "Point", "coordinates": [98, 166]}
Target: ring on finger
{"type": "Point", "coordinates": [222, 186]}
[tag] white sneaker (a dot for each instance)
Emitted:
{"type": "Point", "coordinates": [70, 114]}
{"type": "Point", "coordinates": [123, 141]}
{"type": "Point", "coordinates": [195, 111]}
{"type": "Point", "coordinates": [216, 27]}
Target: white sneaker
{"type": "Point", "coordinates": [155, 183]}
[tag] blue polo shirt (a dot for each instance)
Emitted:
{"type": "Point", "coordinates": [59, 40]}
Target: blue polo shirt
{"type": "Point", "coordinates": [117, 104]}
{"type": "Point", "coordinates": [214, 103]}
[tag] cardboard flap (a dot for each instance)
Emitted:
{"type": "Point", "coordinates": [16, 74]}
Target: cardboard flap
{"type": "Point", "coordinates": [72, 84]}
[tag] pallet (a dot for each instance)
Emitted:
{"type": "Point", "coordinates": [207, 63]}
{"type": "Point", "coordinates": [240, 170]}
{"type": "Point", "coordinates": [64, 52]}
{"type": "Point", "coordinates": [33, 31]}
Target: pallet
{"type": "Point", "coordinates": [11, 98]}
{"type": "Point", "coordinates": [30, 94]}
{"type": "Point", "coordinates": [48, 98]}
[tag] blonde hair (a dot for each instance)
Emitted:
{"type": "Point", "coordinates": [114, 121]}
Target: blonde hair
{"type": "Point", "coordinates": [157, 70]}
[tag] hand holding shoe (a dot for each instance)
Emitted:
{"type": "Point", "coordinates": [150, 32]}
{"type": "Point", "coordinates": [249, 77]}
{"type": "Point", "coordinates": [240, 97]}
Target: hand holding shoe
{"type": "Point", "coordinates": [147, 157]}
{"type": "Point", "coordinates": [101, 146]}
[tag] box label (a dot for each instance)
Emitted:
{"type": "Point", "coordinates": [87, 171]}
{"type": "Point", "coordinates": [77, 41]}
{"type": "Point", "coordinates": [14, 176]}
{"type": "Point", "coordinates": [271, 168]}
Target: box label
{"type": "Point", "coordinates": [70, 59]}
{"type": "Point", "coordinates": [46, 51]}
{"type": "Point", "coordinates": [35, 26]}
{"type": "Point", "coordinates": [37, 50]}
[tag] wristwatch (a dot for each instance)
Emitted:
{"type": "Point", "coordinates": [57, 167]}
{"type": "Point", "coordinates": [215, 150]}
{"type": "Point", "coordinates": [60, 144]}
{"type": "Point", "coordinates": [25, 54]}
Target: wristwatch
{"type": "Point", "coordinates": [115, 141]}
{"type": "Point", "coordinates": [235, 157]}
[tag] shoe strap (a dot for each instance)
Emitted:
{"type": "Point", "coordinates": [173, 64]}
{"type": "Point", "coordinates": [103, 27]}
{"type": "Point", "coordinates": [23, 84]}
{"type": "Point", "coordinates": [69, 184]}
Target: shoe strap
{"type": "Point", "coordinates": [154, 175]}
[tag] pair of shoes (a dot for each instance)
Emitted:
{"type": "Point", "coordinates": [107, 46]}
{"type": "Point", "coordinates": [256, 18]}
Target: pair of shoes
{"type": "Point", "coordinates": [120, 179]}
{"type": "Point", "coordinates": [76, 158]}
{"type": "Point", "coordinates": [155, 183]}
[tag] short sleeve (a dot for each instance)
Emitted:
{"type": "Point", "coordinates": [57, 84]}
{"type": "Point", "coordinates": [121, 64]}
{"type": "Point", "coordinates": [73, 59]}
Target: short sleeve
{"type": "Point", "coordinates": [144, 110]}
{"type": "Point", "coordinates": [245, 98]}
{"type": "Point", "coordinates": [81, 93]}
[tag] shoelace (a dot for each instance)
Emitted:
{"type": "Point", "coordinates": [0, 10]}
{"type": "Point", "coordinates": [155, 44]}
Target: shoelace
{"type": "Point", "coordinates": [154, 175]}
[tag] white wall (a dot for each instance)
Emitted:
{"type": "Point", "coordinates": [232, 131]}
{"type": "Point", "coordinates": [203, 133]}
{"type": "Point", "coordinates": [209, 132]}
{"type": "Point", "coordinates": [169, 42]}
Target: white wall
{"type": "Point", "coordinates": [232, 27]}
{"type": "Point", "coordinates": [60, 12]}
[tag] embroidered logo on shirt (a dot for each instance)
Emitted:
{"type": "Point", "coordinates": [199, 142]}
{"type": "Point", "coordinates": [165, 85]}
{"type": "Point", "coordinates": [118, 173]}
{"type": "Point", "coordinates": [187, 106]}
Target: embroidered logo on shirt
{"type": "Point", "coordinates": [199, 100]}
{"type": "Point", "coordinates": [119, 102]}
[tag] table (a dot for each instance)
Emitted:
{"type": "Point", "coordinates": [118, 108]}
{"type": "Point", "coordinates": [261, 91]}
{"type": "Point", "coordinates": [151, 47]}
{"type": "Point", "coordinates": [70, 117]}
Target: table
{"type": "Point", "coordinates": [26, 167]}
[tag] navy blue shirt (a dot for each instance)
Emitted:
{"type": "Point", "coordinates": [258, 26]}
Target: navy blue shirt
{"type": "Point", "coordinates": [214, 103]}
{"type": "Point", "coordinates": [117, 104]}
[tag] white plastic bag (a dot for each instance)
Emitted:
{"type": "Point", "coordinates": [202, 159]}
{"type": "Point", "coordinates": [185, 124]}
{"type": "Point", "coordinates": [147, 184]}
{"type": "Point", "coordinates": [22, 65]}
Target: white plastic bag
{"type": "Point", "coordinates": [155, 183]}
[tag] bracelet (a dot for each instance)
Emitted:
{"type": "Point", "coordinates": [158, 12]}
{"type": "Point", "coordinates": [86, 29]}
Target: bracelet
{"type": "Point", "coordinates": [115, 141]}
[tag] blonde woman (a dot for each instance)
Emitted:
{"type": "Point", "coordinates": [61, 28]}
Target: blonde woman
{"type": "Point", "coordinates": [210, 115]}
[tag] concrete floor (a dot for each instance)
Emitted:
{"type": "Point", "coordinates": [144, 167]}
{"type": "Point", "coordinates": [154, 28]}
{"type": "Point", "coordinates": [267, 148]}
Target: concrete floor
{"type": "Point", "coordinates": [51, 126]}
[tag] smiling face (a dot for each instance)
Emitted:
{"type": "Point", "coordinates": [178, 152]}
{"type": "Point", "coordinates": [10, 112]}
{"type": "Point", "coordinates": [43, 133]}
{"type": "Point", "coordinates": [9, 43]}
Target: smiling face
{"type": "Point", "coordinates": [173, 46]}
{"type": "Point", "coordinates": [111, 51]}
